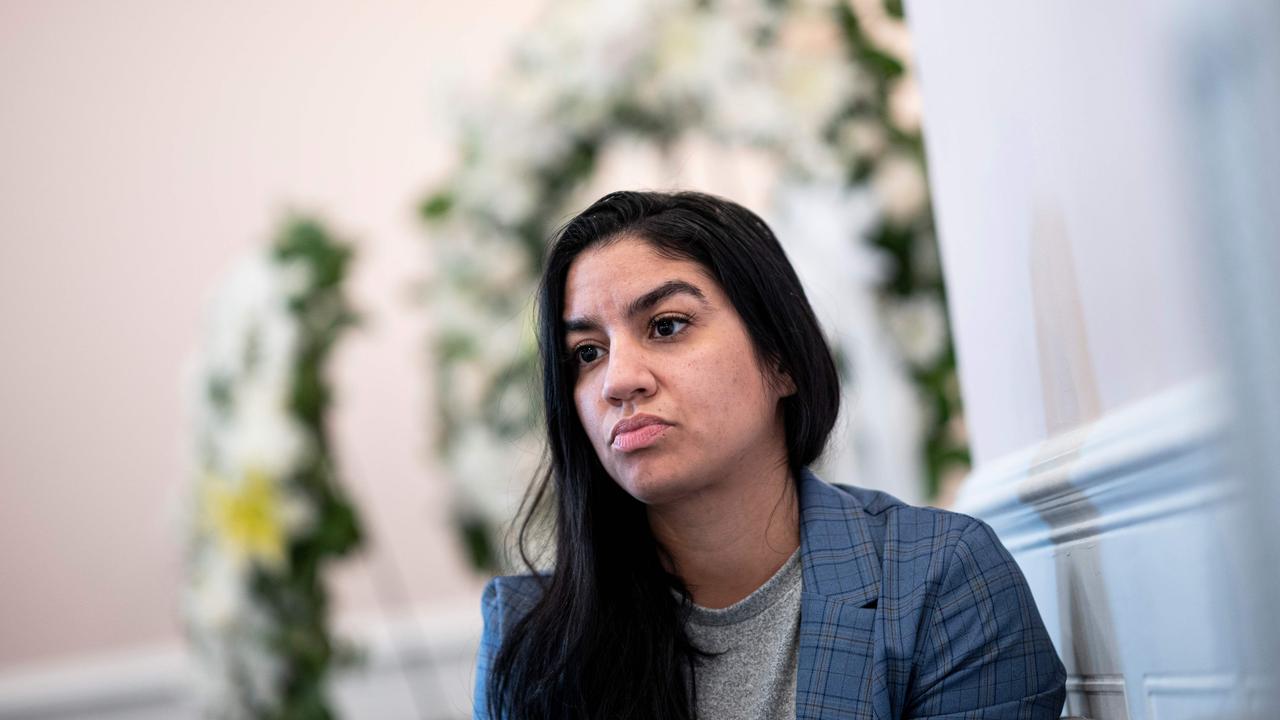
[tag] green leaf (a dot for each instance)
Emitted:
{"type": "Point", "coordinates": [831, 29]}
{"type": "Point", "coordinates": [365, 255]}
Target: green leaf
{"type": "Point", "coordinates": [475, 537]}
{"type": "Point", "coordinates": [437, 206]}
{"type": "Point", "coordinates": [881, 63]}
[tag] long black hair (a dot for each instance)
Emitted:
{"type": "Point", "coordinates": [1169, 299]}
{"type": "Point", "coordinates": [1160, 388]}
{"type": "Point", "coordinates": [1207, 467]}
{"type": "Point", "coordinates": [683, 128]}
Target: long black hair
{"type": "Point", "coordinates": [606, 639]}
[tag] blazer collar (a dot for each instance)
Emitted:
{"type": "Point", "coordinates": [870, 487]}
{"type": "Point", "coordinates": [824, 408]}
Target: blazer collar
{"type": "Point", "coordinates": [838, 557]}
{"type": "Point", "coordinates": [835, 672]}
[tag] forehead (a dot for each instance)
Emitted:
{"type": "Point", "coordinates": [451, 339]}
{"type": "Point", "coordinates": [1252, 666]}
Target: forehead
{"type": "Point", "coordinates": [606, 277]}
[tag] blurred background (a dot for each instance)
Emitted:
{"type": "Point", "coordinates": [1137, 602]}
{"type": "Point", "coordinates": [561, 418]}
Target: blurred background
{"type": "Point", "coordinates": [267, 401]}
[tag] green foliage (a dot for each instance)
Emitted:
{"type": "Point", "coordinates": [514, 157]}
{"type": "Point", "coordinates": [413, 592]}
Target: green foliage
{"type": "Point", "coordinates": [437, 206]}
{"type": "Point", "coordinates": [297, 600]}
{"type": "Point", "coordinates": [902, 244]}
{"type": "Point", "coordinates": [861, 51]}
{"type": "Point", "coordinates": [477, 541]}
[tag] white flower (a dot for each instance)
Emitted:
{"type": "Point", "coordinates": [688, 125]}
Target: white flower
{"type": "Point", "coordinates": [820, 225]}
{"type": "Point", "coordinates": [249, 319]}
{"type": "Point", "coordinates": [457, 312]}
{"type": "Point", "coordinates": [229, 629]}
{"type": "Point", "coordinates": [262, 432]}
{"type": "Point", "coordinates": [293, 277]}
{"type": "Point", "coordinates": [505, 262]}
{"type": "Point", "coordinates": [696, 52]}
{"type": "Point", "coordinates": [750, 110]}
{"type": "Point", "coordinates": [491, 473]}
{"type": "Point", "coordinates": [217, 593]}
{"type": "Point", "coordinates": [813, 86]}
{"type": "Point", "coordinates": [919, 325]}
{"type": "Point", "coordinates": [590, 47]}
{"type": "Point", "coordinates": [861, 137]}
{"type": "Point", "coordinates": [905, 104]}
{"type": "Point", "coordinates": [899, 182]}
{"type": "Point", "coordinates": [261, 669]}
{"type": "Point", "coordinates": [497, 184]}
{"type": "Point", "coordinates": [471, 380]}
{"type": "Point", "coordinates": [812, 161]}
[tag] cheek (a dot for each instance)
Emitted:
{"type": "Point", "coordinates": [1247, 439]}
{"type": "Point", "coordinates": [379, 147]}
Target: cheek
{"type": "Point", "coordinates": [722, 386]}
{"type": "Point", "coordinates": [588, 412]}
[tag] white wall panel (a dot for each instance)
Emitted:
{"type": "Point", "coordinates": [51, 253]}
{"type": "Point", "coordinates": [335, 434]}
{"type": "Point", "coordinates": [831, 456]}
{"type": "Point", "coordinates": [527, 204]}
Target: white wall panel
{"type": "Point", "coordinates": [1096, 170]}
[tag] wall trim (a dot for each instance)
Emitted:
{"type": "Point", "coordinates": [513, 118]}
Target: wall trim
{"type": "Point", "coordinates": [1161, 456]}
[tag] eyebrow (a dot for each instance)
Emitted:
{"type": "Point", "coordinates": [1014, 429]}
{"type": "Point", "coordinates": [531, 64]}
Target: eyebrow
{"type": "Point", "coordinates": [640, 305]}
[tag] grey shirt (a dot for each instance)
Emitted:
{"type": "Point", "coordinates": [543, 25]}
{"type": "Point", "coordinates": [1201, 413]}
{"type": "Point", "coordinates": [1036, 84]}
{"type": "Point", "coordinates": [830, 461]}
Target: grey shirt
{"type": "Point", "coordinates": [754, 677]}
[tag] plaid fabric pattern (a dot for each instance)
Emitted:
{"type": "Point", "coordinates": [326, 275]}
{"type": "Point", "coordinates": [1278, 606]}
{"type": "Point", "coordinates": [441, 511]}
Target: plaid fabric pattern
{"type": "Point", "coordinates": [906, 612]}
{"type": "Point", "coordinates": [911, 612]}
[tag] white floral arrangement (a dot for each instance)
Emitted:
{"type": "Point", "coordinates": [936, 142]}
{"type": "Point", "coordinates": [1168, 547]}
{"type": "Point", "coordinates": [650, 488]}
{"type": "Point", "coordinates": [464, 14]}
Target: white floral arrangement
{"type": "Point", "coordinates": [824, 88]}
{"type": "Point", "coordinates": [265, 514]}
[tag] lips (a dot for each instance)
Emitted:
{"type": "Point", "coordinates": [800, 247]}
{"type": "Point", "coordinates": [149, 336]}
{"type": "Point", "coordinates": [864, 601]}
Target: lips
{"type": "Point", "coordinates": [634, 423]}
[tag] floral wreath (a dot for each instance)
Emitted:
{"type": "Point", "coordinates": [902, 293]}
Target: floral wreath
{"type": "Point", "coordinates": [266, 514]}
{"type": "Point", "coordinates": [824, 89]}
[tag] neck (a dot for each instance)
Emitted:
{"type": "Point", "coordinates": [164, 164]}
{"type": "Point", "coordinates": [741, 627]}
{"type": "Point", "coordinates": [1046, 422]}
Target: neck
{"type": "Point", "coordinates": [727, 539]}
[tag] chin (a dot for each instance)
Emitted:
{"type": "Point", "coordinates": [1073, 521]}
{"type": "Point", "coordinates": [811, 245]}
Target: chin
{"type": "Point", "coordinates": [652, 485]}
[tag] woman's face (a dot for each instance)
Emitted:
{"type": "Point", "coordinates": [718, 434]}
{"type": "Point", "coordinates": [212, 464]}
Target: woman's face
{"type": "Point", "coordinates": [656, 341]}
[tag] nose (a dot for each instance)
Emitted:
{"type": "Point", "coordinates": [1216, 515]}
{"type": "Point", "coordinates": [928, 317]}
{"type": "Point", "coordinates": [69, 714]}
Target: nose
{"type": "Point", "coordinates": [627, 375]}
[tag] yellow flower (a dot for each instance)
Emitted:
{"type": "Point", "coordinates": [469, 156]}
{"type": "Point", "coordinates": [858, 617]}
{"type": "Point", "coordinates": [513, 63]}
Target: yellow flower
{"type": "Point", "coordinates": [247, 517]}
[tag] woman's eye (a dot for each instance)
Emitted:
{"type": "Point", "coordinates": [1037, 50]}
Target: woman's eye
{"type": "Point", "coordinates": [663, 327]}
{"type": "Point", "coordinates": [668, 326]}
{"type": "Point", "coordinates": [587, 354]}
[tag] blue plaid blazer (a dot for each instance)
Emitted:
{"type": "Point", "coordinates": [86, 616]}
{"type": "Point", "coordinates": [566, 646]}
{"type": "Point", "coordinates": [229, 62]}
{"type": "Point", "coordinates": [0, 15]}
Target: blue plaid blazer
{"type": "Point", "coordinates": [905, 612]}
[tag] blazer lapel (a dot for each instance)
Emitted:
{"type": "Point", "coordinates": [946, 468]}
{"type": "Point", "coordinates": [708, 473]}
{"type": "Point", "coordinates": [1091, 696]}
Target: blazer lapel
{"type": "Point", "coordinates": [841, 577]}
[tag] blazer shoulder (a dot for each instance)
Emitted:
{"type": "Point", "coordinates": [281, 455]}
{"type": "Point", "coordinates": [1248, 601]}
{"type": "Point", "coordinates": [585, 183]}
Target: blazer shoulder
{"type": "Point", "coordinates": [507, 598]}
{"type": "Point", "coordinates": [893, 520]}
{"type": "Point", "coordinates": [505, 601]}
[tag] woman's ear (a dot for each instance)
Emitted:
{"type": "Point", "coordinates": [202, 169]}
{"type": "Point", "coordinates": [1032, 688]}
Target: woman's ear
{"type": "Point", "coordinates": [782, 381]}
{"type": "Point", "coordinates": [788, 386]}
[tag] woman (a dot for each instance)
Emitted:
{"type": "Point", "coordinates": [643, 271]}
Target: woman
{"type": "Point", "coordinates": [701, 569]}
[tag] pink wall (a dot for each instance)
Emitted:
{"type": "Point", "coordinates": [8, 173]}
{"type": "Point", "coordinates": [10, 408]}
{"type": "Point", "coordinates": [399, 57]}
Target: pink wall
{"type": "Point", "coordinates": [144, 145]}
